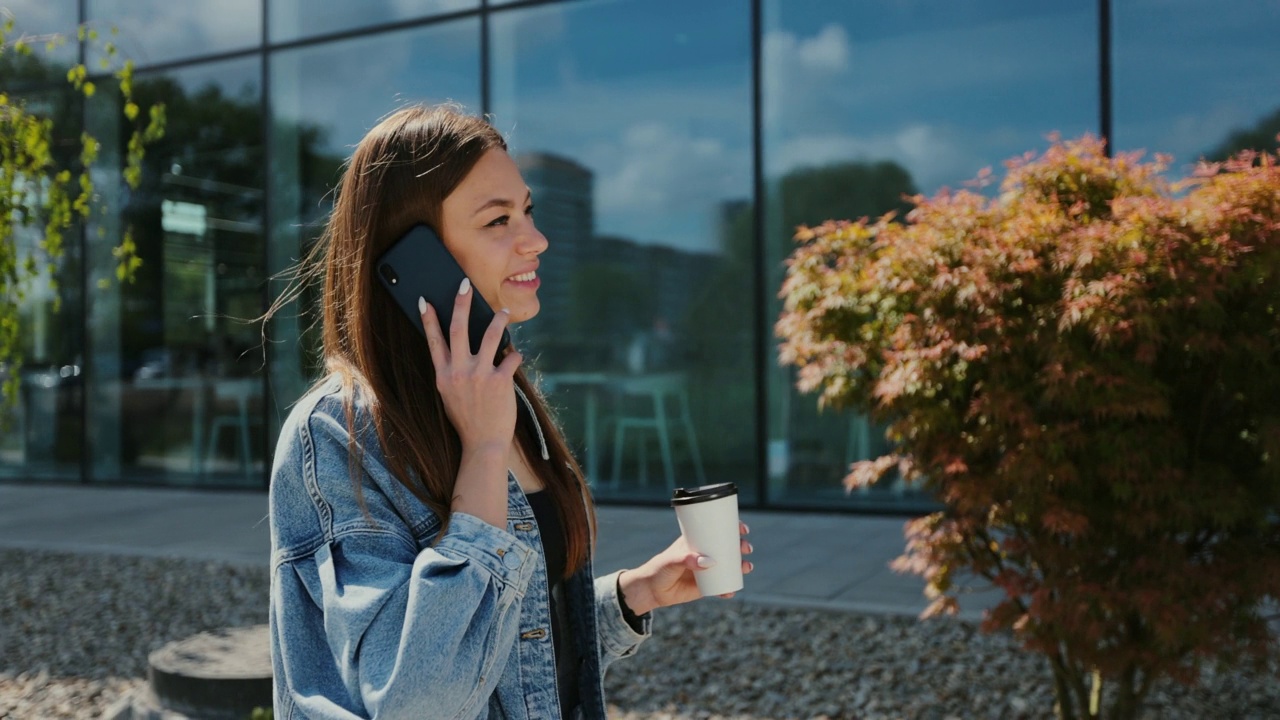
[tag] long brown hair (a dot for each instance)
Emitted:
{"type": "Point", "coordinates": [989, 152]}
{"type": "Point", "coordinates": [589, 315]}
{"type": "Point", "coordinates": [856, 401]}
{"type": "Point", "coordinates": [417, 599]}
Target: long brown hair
{"type": "Point", "coordinates": [399, 176]}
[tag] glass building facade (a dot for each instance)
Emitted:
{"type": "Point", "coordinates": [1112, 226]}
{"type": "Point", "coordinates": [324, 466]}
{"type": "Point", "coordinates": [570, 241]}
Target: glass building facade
{"type": "Point", "coordinates": [672, 149]}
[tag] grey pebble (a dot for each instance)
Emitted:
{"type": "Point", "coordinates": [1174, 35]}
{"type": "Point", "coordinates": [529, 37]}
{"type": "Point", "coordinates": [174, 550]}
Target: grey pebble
{"type": "Point", "coordinates": [75, 632]}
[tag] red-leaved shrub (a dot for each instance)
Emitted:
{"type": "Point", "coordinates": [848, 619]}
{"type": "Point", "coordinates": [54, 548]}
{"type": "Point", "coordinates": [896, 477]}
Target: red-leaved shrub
{"type": "Point", "coordinates": [1084, 370]}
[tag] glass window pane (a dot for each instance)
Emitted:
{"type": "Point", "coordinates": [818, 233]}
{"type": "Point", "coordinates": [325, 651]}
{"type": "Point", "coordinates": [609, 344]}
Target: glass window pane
{"type": "Point", "coordinates": [1195, 79]}
{"type": "Point", "coordinates": [864, 102]}
{"type": "Point", "coordinates": [156, 31]}
{"type": "Point", "coordinates": [323, 99]}
{"type": "Point", "coordinates": [41, 435]}
{"type": "Point", "coordinates": [632, 123]}
{"type": "Point", "coordinates": [178, 382]}
{"type": "Point", "coordinates": [42, 19]}
{"type": "Point", "coordinates": [294, 19]}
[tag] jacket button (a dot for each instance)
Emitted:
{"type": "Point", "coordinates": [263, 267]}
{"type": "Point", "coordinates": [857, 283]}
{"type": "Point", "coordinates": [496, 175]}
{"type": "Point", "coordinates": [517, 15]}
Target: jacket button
{"type": "Point", "coordinates": [524, 526]}
{"type": "Point", "coordinates": [512, 560]}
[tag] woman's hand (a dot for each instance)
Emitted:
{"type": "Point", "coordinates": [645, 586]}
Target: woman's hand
{"type": "Point", "coordinates": [479, 398]}
{"type": "Point", "coordinates": [668, 577]}
{"type": "Point", "coordinates": [480, 401]}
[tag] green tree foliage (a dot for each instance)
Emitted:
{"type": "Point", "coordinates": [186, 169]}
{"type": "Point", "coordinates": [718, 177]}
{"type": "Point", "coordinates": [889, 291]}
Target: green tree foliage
{"type": "Point", "coordinates": [1259, 137]}
{"type": "Point", "coordinates": [46, 187]}
{"type": "Point", "coordinates": [1085, 372]}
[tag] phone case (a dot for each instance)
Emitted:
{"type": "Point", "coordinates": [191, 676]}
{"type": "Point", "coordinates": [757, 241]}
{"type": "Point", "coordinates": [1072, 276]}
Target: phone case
{"type": "Point", "coordinates": [419, 265]}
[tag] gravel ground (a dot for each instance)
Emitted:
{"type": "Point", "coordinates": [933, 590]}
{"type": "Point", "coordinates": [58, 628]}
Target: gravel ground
{"type": "Point", "coordinates": [75, 631]}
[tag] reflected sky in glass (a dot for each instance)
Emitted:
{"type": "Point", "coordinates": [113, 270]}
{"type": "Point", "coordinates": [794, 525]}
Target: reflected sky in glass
{"type": "Point", "coordinates": [156, 31]}
{"type": "Point", "coordinates": [344, 88]}
{"type": "Point", "coordinates": [293, 19]}
{"type": "Point", "coordinates": [45, 17]}
{"type": "Point", "coordinates": [1188, 73]}
{"type": "Point", "coordinates": [652, 97]}
{"type": "Point", "coordinates": [943, 88]}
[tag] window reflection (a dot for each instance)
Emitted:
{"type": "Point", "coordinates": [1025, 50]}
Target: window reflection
{"type": "Point", "coordinates": [633, 132]}
{"type": "Point", "coordinates": [156, 31]}
{"type": "Point", "coordinates": [187, 365]}
{"type": "Point", "coordinates": [43, 18]}
{"type": "Point", "coordinates": [294, 19]}
{"type": "Point", "coordinates": [1195, 80]}
{"type": "Point", "coordinates": [866, 103]}
{"type": "Point", "coordinates": [324, 98]}
{"type": "Point", "coordinates": [41, 434]}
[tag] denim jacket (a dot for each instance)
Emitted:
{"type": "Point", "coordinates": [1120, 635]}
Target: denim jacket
{"type": "Point", "coordinates": [371, 617]}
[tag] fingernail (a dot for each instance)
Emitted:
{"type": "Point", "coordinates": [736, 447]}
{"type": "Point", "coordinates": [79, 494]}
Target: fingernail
{"type": "Point", "coordinates": [506, 310]}
{"type": "Point", "coordinates": [422, 305]}
{"type": "Point", "coordinates": [465, 287]}
{"type": "Point", "coordinates": [705, 561]}
{"type": "Point", "coordinates": [750, 547]}
{"type": "Point", "coordinates": [746, 528]}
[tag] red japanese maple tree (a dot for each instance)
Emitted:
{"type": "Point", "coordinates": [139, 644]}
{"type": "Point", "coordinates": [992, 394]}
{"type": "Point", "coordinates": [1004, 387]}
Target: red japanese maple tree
{"type": "Point", "coordinates": [1084, 370]}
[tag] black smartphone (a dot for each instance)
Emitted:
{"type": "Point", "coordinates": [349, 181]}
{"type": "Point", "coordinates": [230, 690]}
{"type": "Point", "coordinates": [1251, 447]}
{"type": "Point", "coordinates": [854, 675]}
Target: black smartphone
{"type": "Point", "coordinates": [419, 265]}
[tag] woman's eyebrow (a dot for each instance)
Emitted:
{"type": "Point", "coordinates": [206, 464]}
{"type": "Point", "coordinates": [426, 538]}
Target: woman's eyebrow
{"type": "Point", "coordinates": [501, 202]}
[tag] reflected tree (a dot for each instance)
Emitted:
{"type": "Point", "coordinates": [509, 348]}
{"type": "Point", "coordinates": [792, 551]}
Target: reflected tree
{"type": "Point", "coordinates": [1262, 136]}
{"type": "Point", "coordinates": [722, 313]}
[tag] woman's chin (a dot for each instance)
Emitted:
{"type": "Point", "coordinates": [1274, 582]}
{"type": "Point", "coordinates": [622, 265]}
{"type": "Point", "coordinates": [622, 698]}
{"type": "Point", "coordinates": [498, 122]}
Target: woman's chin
{"type": "Point", "coordinates": [519, 315]}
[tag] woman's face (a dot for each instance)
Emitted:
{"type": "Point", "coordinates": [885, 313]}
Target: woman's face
{"type": "Point", "coordinates": [488, 226]}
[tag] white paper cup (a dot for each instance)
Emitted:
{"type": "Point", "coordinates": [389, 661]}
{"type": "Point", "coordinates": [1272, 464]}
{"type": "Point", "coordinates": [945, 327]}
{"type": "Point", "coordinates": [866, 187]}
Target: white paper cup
{"type": "Point", "coordinates": [708, 518]}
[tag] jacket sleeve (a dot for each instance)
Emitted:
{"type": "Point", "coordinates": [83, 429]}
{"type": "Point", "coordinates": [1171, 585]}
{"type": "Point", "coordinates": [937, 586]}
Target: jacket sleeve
{"type": "Point", "coordinates": [404, 632]}
{"type": "Point", "coordinates": [617, 638]}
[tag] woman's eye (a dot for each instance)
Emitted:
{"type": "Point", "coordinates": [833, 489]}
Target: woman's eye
{"type": "Point", "coordinates": [528, 210]}
{"type": "Point", "coordinates": [501, 220]}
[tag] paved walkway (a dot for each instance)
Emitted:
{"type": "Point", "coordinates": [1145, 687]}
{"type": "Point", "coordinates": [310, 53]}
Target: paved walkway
{"type": "Point", "coordinates": [801, 559]}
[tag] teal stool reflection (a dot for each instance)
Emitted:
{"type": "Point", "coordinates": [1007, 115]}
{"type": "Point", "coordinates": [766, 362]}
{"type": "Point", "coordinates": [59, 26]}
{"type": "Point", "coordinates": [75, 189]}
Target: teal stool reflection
{"type": "Point", "coordinates": [654, 391]}
{"type": "Point", "coordinates": [240, 392]}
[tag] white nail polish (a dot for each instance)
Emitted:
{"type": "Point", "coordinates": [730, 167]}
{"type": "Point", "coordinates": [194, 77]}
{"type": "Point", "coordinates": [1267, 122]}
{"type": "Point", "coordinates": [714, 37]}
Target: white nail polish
{"type": "Point", "coordinates": [465, 287]}
{"type": "Point", "coordinates": [705, 561]}
{"type": "Point", "coordinates": [422, 305]}
{"type": "Point", "coordinates": [506, 310]}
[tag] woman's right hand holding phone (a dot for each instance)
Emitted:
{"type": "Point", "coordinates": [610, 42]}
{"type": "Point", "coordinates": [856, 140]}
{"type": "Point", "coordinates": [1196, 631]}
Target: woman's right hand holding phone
{"type": "Point", "coordinates": [479, 399]}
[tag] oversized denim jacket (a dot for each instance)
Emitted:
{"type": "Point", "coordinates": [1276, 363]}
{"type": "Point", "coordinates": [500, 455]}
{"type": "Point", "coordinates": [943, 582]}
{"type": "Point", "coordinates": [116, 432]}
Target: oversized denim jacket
{"type": "Point", "coordinates": [371, 617]}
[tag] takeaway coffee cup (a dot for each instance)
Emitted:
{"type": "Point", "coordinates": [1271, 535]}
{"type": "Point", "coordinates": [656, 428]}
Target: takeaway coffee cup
{"type": "Point", "coordinates": [708, 518]}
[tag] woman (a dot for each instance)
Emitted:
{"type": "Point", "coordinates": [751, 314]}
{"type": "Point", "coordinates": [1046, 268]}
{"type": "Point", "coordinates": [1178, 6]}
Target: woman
{"type": "Point", "coordinates": [431, 533]}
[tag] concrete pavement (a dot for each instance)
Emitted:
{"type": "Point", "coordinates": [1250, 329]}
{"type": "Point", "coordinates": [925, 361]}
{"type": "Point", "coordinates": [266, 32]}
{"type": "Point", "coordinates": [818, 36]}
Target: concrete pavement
{"type": "Point", "coordinates": [838, 562]}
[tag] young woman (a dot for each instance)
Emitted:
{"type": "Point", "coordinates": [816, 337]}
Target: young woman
{"type": "Point", "coordinates": [431, 532]}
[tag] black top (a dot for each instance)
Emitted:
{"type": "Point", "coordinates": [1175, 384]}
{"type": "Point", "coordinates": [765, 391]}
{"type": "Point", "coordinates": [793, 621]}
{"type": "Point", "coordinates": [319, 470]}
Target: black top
{"type": "Point", "coordinates": [544, 512]}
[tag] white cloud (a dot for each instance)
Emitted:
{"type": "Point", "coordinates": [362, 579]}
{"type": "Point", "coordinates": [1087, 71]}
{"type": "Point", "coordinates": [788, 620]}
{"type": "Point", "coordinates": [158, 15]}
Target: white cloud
{"type": "Point", "coordinates": [934, 156]}
{"type": "Point", "coordinates": [658, 168]}
{"type": "Point", "coordinates": [828, 50]}
{"type": "Point", "coordinates": [665, 154]}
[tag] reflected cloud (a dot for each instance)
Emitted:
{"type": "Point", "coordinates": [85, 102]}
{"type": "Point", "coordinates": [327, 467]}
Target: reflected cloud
{"type": "Point", "coordinates": [934, 155]}
{"type": "Point", "coordinates": [37, 17]}
{"type": "Point", "coordinates": [366, 79]}
{"type": "Point", "coordinates": [154, 31]}
{"type": "Point", "coordinates": [657, 180]}
{"type": "Point", "coordinates": [827, 51]}
{"type": "Point", "coordinates": [942, 99]}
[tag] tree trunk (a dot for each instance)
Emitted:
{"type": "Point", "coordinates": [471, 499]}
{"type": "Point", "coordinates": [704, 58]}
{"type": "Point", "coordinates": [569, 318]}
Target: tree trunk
{"type": "Point", "coordinates": [1128, 697]}
{"type": "Point", "coordinates": [1063, 690]}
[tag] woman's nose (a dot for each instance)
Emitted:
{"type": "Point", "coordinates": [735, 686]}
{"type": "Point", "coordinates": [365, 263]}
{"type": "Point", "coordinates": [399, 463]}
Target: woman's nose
{"type": "Point", "coordinates": [533, 241]}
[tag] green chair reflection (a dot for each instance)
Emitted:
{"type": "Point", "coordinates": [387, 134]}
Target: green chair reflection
{"type": "Point", "coordinates": [637, 395]}
{"type": "Point", "coordinates": [237, 392]}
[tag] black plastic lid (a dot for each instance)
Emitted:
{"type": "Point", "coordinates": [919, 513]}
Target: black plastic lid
{"type": "Point", "coordinates": [689, 496]}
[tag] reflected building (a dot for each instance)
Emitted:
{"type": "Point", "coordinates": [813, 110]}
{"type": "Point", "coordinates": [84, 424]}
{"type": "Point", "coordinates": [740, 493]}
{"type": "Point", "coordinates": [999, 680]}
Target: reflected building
{"type": "Point", "coordinates": [563, 208]}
